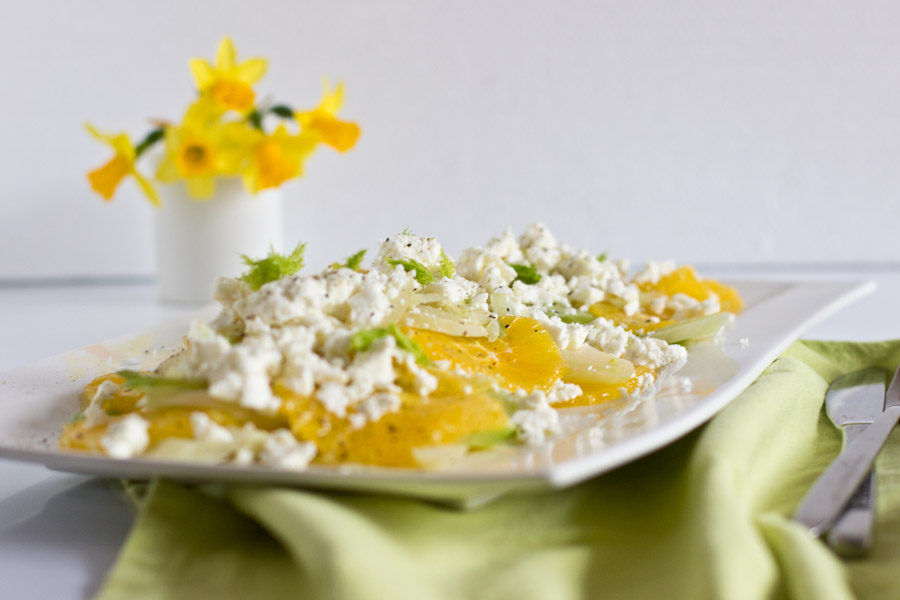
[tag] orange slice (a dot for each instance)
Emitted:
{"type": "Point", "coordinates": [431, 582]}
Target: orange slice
{"type": "Point", "coordinates": [526, 357]}
{"type": "Point", "coordinates": [638, 323]}
{"type": "Point", "coordinates": [599, 393]}
{"type": "Point", "coordinates": [451, 414]}
{"type": "Point", "coordinates": [684, 280]}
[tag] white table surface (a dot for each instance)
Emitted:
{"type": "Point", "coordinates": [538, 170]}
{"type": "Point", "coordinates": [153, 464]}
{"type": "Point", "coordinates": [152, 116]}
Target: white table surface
{"type": "Point", "coordinates": [60, 533]}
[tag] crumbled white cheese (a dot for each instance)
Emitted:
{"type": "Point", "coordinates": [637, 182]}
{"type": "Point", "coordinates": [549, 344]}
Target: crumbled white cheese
{"type": "Point", "coordinates": [627, 292]}
{"type": "Point", "coordinates": [711, 305]}
{"type": "Point", "coordinates": [243, 457]}
{"type": "Point", "coordinates": [207, 430]}
{"type": "Point", "coordinates": [126, 437]}
{"type": "Point", "coordinates": [608, 337]}
{"type": "Point", "coordinates": [654, 353]}
{"type": "Point", "coordinates": [644, 386]}
{"type": "Point", "coordinates": [94, 414]}
{"type": "Point", "coordinates": [653, 271]}
{"type": "Point", "coordinates": [584, 293]}
{"type": "Point", "coordinates": [453, 290]}
{"type": "Point", "coordinates": [506, 247]}
{"type": "Point", "coordinates": [568, 336]}
{"type": "Point", "coordinates": [229, 290]}
{"type": "Point", "coordinates": [535, 420]}
{"type": "Point", "coordinates": [683, 306]}
{"type": "Point", "coordinates": [488, 270]}
{"type": "Point", "coordinates": [282, 450]}
{"type": "Point", "coordinates": [539, 246]}
{"type": "Point", "coordinates": [658, 304]}
{"type": "Point", "coordinates": [405, 246]}
{"type": "Point", "coordinates": [371, 304]}
{"type": "Point", "coordinates": [583, 265]}
{"type": "Point", "coordinates": [551, 289]}
{"type": "Point", "coordinates": [297, 331]}
{"type": "Point", "coordinates": [563, 392]}
{"type": "Point", "coordinates": [335, 398]}
{"type": "Point", "coordinates": [424, 383]}
{"type": "Point", "coordinates": [243, 374]}
{"type": "Point", "coordinates": [377, 405]}
{"type": "Point", "coordinates": [203, 353]}
{"type": "Point", "coordinates": [373, 370]}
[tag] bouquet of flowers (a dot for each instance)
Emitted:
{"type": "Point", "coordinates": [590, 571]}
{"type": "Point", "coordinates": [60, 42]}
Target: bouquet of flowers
{"type": "Point", "coordinates": [225, 133]}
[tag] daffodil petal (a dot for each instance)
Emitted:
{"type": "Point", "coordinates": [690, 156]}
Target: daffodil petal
{"type": "Point", "coordinates": [168, 170]}
{"type": "Point", "coordinates": [201, 188]}
{"type": "Point", "coordinates": [225, 57]}
{"type": "Point", "coordinates": [147, 188]}
{"type": "Point", "coordinates": [250, 181]}
{"type": "Point", "coordinates": [332, 100]}
{"type": "Point", "coordinates": [107, 178]}
{"type": "Point", "coordinates": [96, 134]}
{"type": "Point", "coordinates": [202, 113]}
{"type": "Point", "coordinates": [304, 118]}
{"type": "Point", "coordinates": [203, 73]}
{"type": "Point", "coordinates": [341, 135]}
{"type": "Point", "coordinates": [302, 145]}
{"type": "Point", "coordinates": [251, 71]}
{"type": "Point", "coordinates": [121, 143]}
{"type": "Point", "coordinates": [240, 136]}
{"type": "Point", "coordinates": [233, 94]}
{"type": "Point", "coordinates": [229, 160]}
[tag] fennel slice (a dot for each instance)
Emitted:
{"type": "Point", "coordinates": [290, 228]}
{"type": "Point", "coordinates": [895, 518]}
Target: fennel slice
{"type": "Point", "coordinates": [587, 365]}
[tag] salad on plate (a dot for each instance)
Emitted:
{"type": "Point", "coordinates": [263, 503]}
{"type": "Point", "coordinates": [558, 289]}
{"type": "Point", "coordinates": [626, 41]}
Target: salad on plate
{"type": "Point", "coordinates": [410, 361]}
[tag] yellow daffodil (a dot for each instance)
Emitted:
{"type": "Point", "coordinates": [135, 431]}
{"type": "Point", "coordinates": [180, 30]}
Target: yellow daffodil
{"type": "Point", "coordinates": [197, 151]}
{"type": "Point", "coordinates": [323, 121]}
{"type": "Point", "coordinates": [225, 134]}
{"type": "Point", "coordinates": [228, 83]}
{"type": "Point", "coordinates": [277, 158]}
{"type": "Point", "coordinates": [107, 178]}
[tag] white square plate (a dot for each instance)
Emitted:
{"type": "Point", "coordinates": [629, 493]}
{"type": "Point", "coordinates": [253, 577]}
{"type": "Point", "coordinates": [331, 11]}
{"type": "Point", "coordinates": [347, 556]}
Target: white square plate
{"type": "Point", "coordinates": [37, 399]}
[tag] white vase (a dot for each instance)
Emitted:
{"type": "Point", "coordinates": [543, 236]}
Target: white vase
{"type": "Point", "coordinates": [199, 241]}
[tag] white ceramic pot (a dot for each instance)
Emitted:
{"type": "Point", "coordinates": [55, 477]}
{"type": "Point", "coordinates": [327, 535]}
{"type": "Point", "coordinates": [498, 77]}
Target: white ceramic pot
{"type": "Point", "coordinates": [199, 241]}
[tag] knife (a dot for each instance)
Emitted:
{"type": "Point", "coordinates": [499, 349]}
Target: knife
{"type": "Point", "coordinates": [834, 488]}
{"type": "Point", "coordinates": [852, 402]}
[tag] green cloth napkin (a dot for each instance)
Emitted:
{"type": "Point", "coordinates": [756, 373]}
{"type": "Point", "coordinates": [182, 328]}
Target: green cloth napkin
{"type": "Point", "coordinates": [706, 517]}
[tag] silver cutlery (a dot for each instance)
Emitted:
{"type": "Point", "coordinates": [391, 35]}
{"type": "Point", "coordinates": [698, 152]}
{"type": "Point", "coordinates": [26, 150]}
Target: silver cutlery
{"type": "Point", "coordinates": [852, 403]}
{"type": "Point", "coordinates": [823, 504]}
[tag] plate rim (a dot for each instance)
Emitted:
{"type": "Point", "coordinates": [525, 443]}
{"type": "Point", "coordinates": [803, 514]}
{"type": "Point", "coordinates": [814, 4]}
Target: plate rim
{"type": "Point", "coordinates": [561, 474]}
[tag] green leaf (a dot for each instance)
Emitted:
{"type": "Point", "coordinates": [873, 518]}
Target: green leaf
{"type": "Point", "coordinates": [273, 267]}
{"type": "Point", "coordinates": [526, 274]}
{"type": "Point", "coordinates": [483, 440]}
{"type": "Point", "coordinates": [282, 110]}
{"type": "Point", "coordinates": [354, 261]}
{"type": "Point", "coordinates": [362, 340]}
{"type": "Point", "coordinates": [142, 382]}
{"type": "Point", "coordinates": [78, 417]}
{"type": "Point", "coordinates": [404, 342]}
{"type": "Point", "coordinates": [423, 275]}
{"type": "Point", "coordinates": [150, 139]}
{"type": "Point", "coordinates": [602, 257]}
{"type": "Point", "coordinates": [255, 118]}
{"type": "Point", "coordinates": [582, 318]}
{"type": "Point", "coordinates": [448, 269]}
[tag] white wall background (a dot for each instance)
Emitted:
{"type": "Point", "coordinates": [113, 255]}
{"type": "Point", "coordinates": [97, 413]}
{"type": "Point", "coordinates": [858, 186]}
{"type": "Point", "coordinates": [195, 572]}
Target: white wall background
{"type": "Point", "coordinates": [710, 131]}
